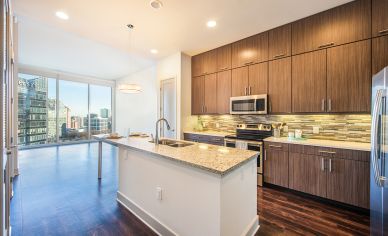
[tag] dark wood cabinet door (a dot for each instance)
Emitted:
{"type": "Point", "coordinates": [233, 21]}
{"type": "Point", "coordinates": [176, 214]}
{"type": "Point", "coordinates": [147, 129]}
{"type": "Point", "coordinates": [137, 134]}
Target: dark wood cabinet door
{"type": "Point", "coordinates": [379, 53]}
{"type": "Point", "coordinates": [209, 62]}
{"type": "Point", "coordinates": [307, 174]}
{"type": "Point", "coordinates": [276, 167]}
{"type": "Point", "coordinates": [197, 95]}
{"type": "Point", "coordinates": [279, 85]}
{"type": "Point", "coordinates": [196, 65]}
{"type": "Point", "coordinates": [210, 88]}
{"type": "Point", "coordinates": [262, 47]}
{"type": "Point", "coordinates": [224, 91]}
{"type": "Point", "coordinates": [258, 78]}
{"type": "Point", "coordinates": [279, 42]}
{"type": "Point", "coordinates": [351, 22]}
{"type": "Point", "coordinates": [348, 182]}
{"type": "Point", "coordinates": [379, 17]}
{"type": "Point", "coordinates": [240, 81]}
{"type": "Point", "coordinates": [309, 82]}
{"type": "Point", "coordinates": [311, 33]}
{"type": "Point", "coordinates": [349, 77]}
{"type": "Point", "coordinates": [244, 52]}
{"type": "Point", "coordinates": [224, 58]}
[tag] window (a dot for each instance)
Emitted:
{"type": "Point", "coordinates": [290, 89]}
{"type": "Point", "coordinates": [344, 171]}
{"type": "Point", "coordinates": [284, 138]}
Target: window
{"type": "Point", "coordinates": [44, 119]}
{"type": "Point", "coordinates": [100, 109]}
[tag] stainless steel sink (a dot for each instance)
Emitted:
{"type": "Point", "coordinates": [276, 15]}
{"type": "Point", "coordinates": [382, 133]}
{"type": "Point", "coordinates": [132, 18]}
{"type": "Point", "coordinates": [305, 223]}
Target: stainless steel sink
{"type": "Point", "coordinates": [173, 143]}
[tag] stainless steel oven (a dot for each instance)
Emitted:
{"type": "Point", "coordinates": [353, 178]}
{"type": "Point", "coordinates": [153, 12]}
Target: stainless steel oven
{"type": "Point", "coordinates": [255, 104]}
{"type": "Point", "coordinates": [249, 145]}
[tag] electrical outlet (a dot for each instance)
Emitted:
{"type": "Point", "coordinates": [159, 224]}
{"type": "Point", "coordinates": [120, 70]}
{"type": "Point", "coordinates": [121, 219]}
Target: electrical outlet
{"type": "Point", "coordinates": [217, 125]}
{"type": "Point", "coordinates": [159, 193]}
{"type": "Point", "coordinates": [285, 128]}
{"type": "Point", "coordinates": [315, 129]}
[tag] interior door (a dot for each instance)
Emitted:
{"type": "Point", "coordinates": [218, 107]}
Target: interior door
{"type": "Point", "coordinates": [168, 107]}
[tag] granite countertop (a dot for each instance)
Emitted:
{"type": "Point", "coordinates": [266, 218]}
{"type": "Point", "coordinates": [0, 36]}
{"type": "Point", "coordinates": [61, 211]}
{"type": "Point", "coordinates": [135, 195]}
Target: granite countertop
{"type": "Point", "coordinates": [215, 159]}
{"type": "Point", "coordinates": [324, 143]}
{"type": "Point", "coordinates": [210, 133]}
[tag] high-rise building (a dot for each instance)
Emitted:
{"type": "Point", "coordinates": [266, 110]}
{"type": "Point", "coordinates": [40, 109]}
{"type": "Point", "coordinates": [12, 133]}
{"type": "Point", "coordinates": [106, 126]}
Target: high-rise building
{"type": "Point", "coordinates": [104, 113]}
{"type": "Point", "coordinates": [32, 110]}
{"type": "Point", "coordinates": [98, 125]}
{"type": "Point", "coordinates": [51, 120]}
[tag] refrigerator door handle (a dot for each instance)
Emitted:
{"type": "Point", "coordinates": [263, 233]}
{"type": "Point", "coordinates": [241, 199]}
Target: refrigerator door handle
{"type": "Point", "coordinates": [375, 148]}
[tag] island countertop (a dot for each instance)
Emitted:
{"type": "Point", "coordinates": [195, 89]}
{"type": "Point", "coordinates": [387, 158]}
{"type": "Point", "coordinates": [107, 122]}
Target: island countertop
{"type": "Point", "coordinates": [216, 159]}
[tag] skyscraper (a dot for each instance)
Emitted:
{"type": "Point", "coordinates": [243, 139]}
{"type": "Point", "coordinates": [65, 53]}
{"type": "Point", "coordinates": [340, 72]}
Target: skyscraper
{"type": "Point", "coordinates": [104, 113]}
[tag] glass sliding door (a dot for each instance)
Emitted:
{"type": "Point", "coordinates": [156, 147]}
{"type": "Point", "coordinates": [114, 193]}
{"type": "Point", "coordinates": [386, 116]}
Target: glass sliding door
{"type": "Point", "coordinates": [35, 112]}
{"type": "Point", "coordinates": [73, 111]}
{"type": "Point", "coordinates": [100, 109]}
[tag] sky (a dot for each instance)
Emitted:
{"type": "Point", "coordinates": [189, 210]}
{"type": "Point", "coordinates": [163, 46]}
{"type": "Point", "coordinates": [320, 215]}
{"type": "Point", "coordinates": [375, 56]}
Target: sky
{"type": "Point", "coordinates": [75, 96]}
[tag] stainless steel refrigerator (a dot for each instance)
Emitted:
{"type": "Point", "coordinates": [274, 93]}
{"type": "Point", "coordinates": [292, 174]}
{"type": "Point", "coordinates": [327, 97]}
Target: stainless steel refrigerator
{"type": "Point", "coordinates": [379, 163]}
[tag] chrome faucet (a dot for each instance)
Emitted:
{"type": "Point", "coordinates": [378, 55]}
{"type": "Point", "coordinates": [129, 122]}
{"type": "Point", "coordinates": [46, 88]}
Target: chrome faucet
{"type": "Point", "coordinates": [157, 129]}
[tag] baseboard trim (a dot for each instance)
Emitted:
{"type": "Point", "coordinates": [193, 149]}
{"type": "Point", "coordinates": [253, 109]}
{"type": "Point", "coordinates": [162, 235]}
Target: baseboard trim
{"type": "Point", "coordinates": [157, 226]}
{"type": "Point", "coordinates": [252, 228]}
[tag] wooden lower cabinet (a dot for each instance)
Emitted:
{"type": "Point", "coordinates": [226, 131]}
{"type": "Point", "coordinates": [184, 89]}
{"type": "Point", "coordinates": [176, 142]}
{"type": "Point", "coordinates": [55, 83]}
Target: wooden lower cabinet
{"type": "Point", "coordinates": [348, 182]}
{"type": "Point", "coordinates": [276, 167]}
{"type": "Point", "coordinates": [341, 175]}
{"type": "Point", "coordinates": [306, 174]}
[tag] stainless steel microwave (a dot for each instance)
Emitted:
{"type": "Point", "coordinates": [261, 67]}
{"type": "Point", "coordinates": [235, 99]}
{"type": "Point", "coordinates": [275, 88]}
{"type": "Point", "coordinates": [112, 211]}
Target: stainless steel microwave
{"type": "Point", "coordinates": [255, 104]}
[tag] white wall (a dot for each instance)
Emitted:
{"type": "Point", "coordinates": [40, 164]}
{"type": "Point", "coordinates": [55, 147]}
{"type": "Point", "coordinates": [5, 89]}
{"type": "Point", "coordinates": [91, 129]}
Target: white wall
{"type": "Point", "coordinates": [178, 66]}
{"type": "Point", "coordinates": [138, 111]}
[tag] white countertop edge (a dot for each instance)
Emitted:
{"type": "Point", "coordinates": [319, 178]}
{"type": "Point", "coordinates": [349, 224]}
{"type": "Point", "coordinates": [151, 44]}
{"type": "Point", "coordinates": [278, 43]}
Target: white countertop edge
{"type": "Point", "coordinates": [209, 133]}
{"type": "Point", "coordinates": [324, 143]}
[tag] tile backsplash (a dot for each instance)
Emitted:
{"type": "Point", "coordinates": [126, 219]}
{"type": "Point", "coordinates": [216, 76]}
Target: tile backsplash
{"type": "Point", "coordinates": [353, 127]}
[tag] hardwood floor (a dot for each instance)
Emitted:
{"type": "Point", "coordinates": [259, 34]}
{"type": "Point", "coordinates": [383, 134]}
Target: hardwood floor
{"type": "Point", "coordinates": [57, 193]}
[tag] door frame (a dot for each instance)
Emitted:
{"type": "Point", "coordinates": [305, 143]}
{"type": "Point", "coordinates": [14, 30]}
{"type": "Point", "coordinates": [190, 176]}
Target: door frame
{"type": "Point", "coordinates": [161, 127]}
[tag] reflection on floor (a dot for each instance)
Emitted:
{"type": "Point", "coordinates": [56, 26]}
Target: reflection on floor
{"type": "Point", "coordinates": [57, 193]}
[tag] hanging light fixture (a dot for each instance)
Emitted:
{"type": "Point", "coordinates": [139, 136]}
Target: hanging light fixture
{"type": "Point", "coordinates": [129, 88]}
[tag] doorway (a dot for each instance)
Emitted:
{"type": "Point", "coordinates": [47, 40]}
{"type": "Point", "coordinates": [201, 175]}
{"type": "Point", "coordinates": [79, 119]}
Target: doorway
{"type": "Point", "coordinates": [168, 107]}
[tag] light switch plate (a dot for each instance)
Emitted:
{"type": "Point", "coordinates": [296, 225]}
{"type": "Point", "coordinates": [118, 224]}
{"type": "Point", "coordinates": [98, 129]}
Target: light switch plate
{"type": "Point", "coordinates": [285, 128]}
{"type": "Point", "coordinates": [315, 129]}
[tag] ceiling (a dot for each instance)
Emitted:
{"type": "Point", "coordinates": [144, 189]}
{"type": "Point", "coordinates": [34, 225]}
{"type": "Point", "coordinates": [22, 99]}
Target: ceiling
{"type": "Point", "coordinates": [178, 26]}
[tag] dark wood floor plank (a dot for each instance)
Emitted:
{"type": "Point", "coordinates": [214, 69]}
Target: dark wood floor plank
{"type": "Point", "coordinates": [58, 193]}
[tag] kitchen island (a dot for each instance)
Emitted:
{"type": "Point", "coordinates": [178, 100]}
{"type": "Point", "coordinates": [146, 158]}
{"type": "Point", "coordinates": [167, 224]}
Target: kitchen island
{"type": "Point", "coordinates": [197, 189]}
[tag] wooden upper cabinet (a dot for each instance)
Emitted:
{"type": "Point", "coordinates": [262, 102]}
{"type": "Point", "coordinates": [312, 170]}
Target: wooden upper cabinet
{"type": "Point", "coordinates": [279, 85]}
{"type": "Point", "coordinates": [351, 22]}
{"type": "Point", "coordinates": [224, 58]}
{"type": "Point", "coordinates": [197, 95]}
{"type": "Point", "coordinates": [379, 17]}
{"type": "Point", "coordinates": [262, 47]}
{"type": "Point", "coordinates": [311, 33]}
{"type": "Point", "coordinates": [258, 79]}
{"type": "Point", "coordinates": [344, 24]}
{"type": "Point", "coordinates": [349, 77]}
{"type": "Point", "coordinates": [244, 52]}
{"type": "Point", "coordinates": [240, 81]}
{"type": "Point", "coordinates": [309, 82]}
{"type": "Point", "coordinates": [224, 91]}
{"type": "Point", "coordinates": [279, 42]}
{"type": "Point", "coordinates": [379, 53]}
{"type": "Point", "coordinates": [210, 94]}
{"type": "Point", "coordinates": [205, 63]}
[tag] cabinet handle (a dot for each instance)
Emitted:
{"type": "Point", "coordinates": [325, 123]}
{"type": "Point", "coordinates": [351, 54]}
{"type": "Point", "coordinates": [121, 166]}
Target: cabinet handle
{"type": "Point", "coordinates": [250, 88]}
{"type": "Point", "coordinates": [322, 164]}
{"type": "Point", "coordinates": [248, 63]}
{"type": "Point", "coordinates": [328, 152]}
{"type": "Point", "coordinates": [329, 165]}
{"type": "Point", "coordinates": [329, 105]}
{"type": "Point", "coordinates": [265, 155]}
{"type": "Point", "coordinates": [279, 55]}
{"type": "Point", "coordinates": [323, 105]}
{"type": "Point", "coordinates": [270, 106]}
{"type": "Point", "coordinates": [246, 91]}
{"type": "Point", "coordinates": [275, 146]}
{"type": "Point", "coordinates": [326, 45]}
{"type": "Point", "coordinates": [383, 31]}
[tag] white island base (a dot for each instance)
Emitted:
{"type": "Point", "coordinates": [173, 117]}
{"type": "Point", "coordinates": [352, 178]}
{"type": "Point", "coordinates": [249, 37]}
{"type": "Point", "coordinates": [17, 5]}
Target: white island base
{"type": "Point", "coordinates": [193, 201]}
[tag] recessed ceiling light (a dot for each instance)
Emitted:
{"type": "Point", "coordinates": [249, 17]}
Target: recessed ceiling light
{"type": "Point", "coordinates": [154, 51]}
{"type": "Point", "coordinates": [156, 4]}
{"type": "Point", "coordinates": [62, 15]}
{"type": "Point", "coordinates": [211, 23]}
